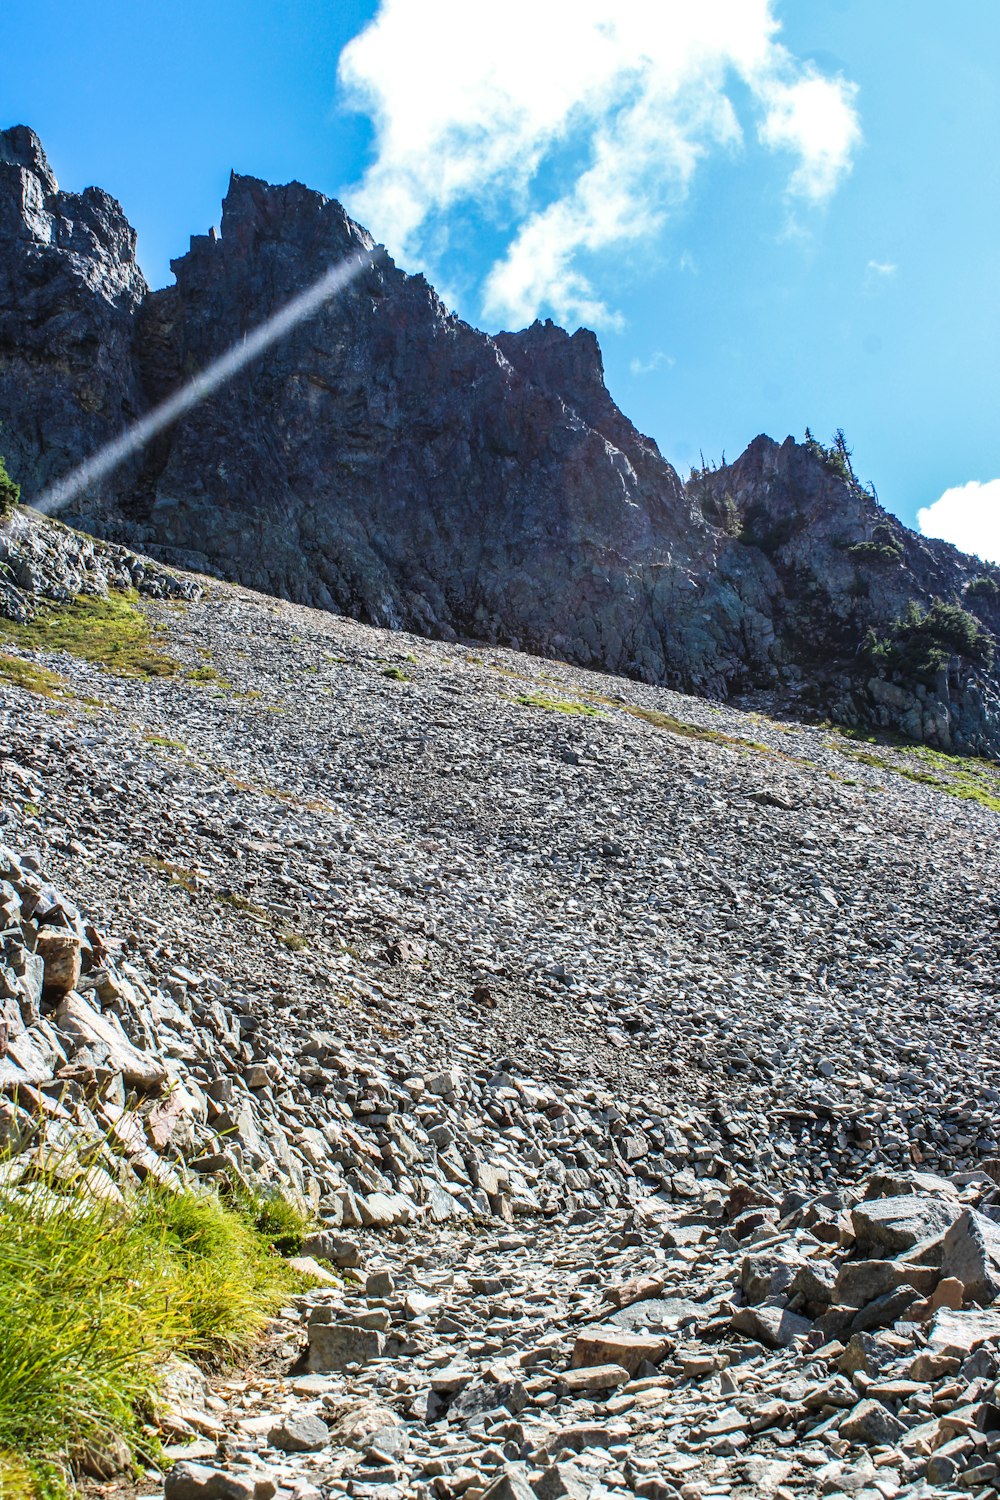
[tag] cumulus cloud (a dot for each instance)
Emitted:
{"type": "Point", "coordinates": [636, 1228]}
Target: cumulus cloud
{"type": "Point", "coordinates": [573, 127]}
{"type": "Point", "coordinates": [968, 515]}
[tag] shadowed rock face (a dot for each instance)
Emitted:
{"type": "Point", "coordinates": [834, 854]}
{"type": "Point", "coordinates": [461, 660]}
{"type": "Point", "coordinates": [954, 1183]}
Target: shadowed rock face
{"type": "Point", "coordinates": [389, 461]}
{"type": "Point", "coordinates": [69, 291]}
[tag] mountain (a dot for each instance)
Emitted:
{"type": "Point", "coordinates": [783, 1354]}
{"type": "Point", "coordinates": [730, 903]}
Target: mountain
{"type": "Point", "coordinates": [390, 462]}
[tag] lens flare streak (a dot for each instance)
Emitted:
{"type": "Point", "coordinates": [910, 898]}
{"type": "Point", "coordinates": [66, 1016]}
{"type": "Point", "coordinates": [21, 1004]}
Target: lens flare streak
{"type": "Point", "coordinates": [134, 438]}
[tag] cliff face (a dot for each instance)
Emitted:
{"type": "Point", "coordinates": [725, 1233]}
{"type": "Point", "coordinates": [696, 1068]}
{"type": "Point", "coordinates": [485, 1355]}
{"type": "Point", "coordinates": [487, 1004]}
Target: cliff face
{"type": "Point", "coordinates": [391, 462]}
{"type": "Point", "coordinates": [388, 461]}
{"type": "Point", "coordinates": [69, 291]}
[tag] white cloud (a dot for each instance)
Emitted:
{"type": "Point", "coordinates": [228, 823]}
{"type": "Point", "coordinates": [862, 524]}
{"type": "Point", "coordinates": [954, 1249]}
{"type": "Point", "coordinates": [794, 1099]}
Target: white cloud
{"type": "Point", "coordinates": [967, 515]}
{"type": "Point", "coordinates": [659, 357]}
{"type": "Point", "coordinates": [573, 126]}
{"type": "Point", "coordinates": [882, 268]}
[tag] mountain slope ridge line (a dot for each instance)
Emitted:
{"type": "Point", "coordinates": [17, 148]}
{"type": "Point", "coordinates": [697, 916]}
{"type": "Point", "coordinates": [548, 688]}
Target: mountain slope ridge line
{"type": "Point", "coordinates": [390, 462]}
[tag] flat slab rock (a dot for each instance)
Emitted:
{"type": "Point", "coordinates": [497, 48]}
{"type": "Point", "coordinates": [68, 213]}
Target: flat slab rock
{"type": "Point", "coordinates": [774, 1326]}
{"type": "Point", "coordinates": [895, 1224]}
{"type": "Point", "coordinates": [629, 1351]}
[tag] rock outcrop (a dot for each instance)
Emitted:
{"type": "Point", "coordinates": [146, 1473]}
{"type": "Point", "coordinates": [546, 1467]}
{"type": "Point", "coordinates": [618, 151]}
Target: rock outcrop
{"type": "Point", "coordinates": [388, 461]}
{"type": "Point", "coordinates": [70, 288]}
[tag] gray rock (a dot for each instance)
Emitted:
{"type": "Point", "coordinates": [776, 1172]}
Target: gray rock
{"type": "Point", "coordinates": [191, 1481]}
{"type": "Point", "coordinates": [561, 1482]}
{"type": "Point", "coordinates": [871, 1422]}
{"type": "Point", "coordinates": [774, 1326]}
{"type": "Point", "coordinates": [972, 1255]}
{"type": "Point", "coordinates": [299, 1434]}
{"type": "Point", "coordinates": [510, 1485]}
{"type": "Point", "coordinates": [899, 1223]}
{"type": "Point", "coordinates": [332, 1346]}
{"type": "Point", "coordinates": [339, 1251]}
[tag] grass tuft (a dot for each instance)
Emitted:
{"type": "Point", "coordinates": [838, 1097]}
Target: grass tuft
{"type": "Point", "coordinates": [94, 1298]}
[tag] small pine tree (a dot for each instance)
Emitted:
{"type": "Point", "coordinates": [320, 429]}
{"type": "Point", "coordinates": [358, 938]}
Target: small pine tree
{"type": "Point", "coordinates": [10, 493]}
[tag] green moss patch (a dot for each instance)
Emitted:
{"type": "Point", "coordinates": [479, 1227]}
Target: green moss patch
{"type": "Point", "coordinates": [111, 632]}
{"type": "Point", "coordinates": [558, 705]}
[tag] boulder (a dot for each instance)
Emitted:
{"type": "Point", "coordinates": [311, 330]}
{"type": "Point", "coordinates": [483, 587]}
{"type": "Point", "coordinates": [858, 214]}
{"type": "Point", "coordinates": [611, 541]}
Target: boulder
{"type": "Point", "coordinates": [972, 1256]}
{"type": "Point", "coordinates": [893, 1224]}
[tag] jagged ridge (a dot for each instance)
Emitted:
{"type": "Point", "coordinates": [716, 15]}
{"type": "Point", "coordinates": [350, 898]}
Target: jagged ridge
{"type": "Point", "coordinates": [390, 462]}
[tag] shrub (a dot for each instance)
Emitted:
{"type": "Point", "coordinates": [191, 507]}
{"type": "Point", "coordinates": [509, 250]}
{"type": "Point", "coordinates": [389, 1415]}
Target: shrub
{"type": "Point", "coordinates": [922, 642]}
{"type": "Point", "coordinates": [883, 546]}
{"type": "Point", "coordinates": [10, 493]}
{"type": "Point", "coordinates": [982, 587]}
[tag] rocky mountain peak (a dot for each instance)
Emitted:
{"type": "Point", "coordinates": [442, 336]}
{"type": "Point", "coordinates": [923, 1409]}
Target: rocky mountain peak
{"type": "Point", "coordinates": [21, 148]}
{"type": "Point", "coordinates": [388, 461]}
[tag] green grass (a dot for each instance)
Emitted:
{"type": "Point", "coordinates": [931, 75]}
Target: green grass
{"type": "Point", "coordinates": [558, 705]}
{"type": "Point", "coordinates": [208, 674]}
{"type": "Point", "coordinates": [94, 1298]}
{"type": "Point", "coordinates": [29, 675]}
{"type": "Point", "coordinates": [282, 1224]}
{"type": "Point", "coordinates": [111, 632]}
{"type": "Point", "coordinates": [395, 674]}
{"type": "Point", "coordinates": [162, 743]}
{"type": "Point", "coordinates": [966, 777]}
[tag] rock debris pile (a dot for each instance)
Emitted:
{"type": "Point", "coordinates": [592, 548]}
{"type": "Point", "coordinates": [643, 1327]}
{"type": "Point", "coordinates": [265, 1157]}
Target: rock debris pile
{"type": "Point", "coordinates": [635, 1055]}
{"type": "Point", "coordinates": [814, 1346]}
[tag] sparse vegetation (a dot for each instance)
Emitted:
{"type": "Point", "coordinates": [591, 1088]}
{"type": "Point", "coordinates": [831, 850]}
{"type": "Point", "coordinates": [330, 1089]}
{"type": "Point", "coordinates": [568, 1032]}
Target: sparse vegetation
{"type": "Point", "coordinates": [558, 705]}
{"type": "Point", "coordinates": [207, 674]}
{"type": "Point", "coordinates": [966, 777]}
{"type": "Point", "coordinates": [29, 675]}
{"type": "Point", "coordinates": [395, 674]}
{"type": "Point", "coordinates": [241, 903]}
{"type": "Point", "coordinates": [179, 875]}
{"type": "Point", "coordinates": [983, 587]}
{"type": "Point", "coordinates": [162, 743]}
{"type": "Point", "coordinates": [922, 642]}
{"type": "Point", "coordinates": [293, 941]}
{"type": "Point", "coordinates": [10, 493]}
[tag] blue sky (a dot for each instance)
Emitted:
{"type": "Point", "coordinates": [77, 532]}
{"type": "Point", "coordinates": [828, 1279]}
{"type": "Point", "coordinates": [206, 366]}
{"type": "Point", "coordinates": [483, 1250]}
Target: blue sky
{"type": "Point", "coordinates": [769, 228]}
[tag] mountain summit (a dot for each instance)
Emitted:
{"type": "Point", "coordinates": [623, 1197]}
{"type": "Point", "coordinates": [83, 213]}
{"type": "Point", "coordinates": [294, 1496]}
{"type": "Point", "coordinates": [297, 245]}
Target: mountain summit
{"type": "Point", "coordinates": [388, 461]}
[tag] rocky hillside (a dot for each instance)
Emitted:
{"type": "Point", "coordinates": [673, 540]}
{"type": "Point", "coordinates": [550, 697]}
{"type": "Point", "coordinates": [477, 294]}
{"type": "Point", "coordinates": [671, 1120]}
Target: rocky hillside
{"type": "Point", "coordinates": [390, 462]}
{"type": "Point", "coordinates": [635, 1054]}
